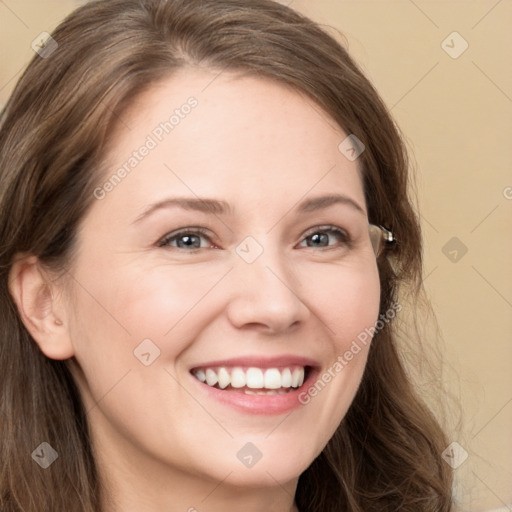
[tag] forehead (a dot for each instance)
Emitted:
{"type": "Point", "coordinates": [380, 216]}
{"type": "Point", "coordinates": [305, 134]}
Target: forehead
{"type": "Point", "coordinates": [238, 138]}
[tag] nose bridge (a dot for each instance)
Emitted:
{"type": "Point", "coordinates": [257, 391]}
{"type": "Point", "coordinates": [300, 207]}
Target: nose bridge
{"type": "Point", "coordinates": [265, 289]}
{"type": "Point", "coordinates": [267, 272]}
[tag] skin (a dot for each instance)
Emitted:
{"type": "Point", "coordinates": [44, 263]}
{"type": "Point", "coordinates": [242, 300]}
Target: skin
{"type": "Point", "coordinates": [159, 442]}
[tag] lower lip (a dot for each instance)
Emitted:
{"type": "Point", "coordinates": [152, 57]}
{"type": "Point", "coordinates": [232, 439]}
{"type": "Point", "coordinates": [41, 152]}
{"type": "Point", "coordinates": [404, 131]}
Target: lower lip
{"type": "Point", "coordinates": [258, 404]}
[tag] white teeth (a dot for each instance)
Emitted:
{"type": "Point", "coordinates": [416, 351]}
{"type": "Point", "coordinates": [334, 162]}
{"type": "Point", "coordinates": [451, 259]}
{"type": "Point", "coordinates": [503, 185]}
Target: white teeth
{"type": "Point", "coordinates": [253, 378]}
{"type": "Point", "coordinates": [224, 379]}
{"type": "Point", "coordinates": [237, 378]}
{"type": "Point", "coordinates": [297, 377]}
{"type": "Point", "coordinates": [286, 378]}
{"type": "Point", "coordinates": [200, 375]}
{"type": "Point", "coordinates": [211, 377]}
{"type": "Point", "coordinates": [273, 378]}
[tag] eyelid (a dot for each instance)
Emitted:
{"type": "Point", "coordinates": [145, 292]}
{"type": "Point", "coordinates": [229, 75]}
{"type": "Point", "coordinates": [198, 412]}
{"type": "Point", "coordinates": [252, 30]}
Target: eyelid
{"type": "Point", "coordinates": [347, 239]}
{"type": "Point", "coordinates": [325, 227]}
{"type": "Point", "coordinates": [192, 230]}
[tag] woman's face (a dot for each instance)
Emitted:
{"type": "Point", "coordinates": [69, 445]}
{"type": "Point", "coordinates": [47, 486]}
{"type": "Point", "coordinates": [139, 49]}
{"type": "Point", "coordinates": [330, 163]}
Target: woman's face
{"type": "Point", "coordinates": [235, 247]}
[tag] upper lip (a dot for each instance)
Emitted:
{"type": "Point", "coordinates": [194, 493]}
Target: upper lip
{"type": "Point", "coordinates": [259, 361]}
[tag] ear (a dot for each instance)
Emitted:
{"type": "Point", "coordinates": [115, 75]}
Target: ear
{"type": "Point", "coordinates": [41, 308]}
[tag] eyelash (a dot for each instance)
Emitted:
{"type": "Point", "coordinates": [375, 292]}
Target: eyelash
{"type": "Point", "coordinates": [340, 233]}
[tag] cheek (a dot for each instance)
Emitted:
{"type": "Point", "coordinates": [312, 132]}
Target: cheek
{"type": "Point", "coordinates": [119, 316]}
{"type": "Point", "coordinates": [346, 301]}
{"type": "Point", "coordinates": [361, 303]}
{"type": "Point", "coordinates": [347, 306]}
{"type": "Point", "coordinates": [167, 302]}
{"type": "Point", "coordinates": [120, 308]}
{"type": "Point", "coordinates": [354, 316]}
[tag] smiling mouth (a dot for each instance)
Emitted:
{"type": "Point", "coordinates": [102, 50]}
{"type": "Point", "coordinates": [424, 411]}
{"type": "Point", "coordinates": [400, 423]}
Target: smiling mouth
{"type": "Point", "coordinates": [253, 380]}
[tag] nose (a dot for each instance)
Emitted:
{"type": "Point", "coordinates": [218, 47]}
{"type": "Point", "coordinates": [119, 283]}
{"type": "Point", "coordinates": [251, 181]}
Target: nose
{"type": "Point", "coordinates": [266, 296]}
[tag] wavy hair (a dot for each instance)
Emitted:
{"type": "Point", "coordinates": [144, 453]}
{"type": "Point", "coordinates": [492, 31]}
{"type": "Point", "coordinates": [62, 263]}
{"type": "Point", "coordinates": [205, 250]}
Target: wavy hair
{"type": "Point", "coordinates": [386, 453]}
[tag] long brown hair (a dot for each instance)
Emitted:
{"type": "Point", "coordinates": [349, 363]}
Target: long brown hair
{"type": "Point", "coordinates": [386, 453]}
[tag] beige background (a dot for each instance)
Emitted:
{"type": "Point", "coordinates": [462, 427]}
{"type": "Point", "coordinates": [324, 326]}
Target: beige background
{"type": "Point", "coordinates": [457, 116]}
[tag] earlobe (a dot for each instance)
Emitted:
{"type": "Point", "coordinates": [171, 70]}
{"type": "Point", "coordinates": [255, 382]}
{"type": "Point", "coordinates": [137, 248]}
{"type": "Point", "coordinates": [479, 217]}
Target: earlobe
{"type": "Point", "coordinates": [42, 312]}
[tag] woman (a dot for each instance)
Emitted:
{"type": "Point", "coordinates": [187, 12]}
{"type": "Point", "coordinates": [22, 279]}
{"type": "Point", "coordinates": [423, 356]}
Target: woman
{"type": "Point", "coordinates": [198, 293]}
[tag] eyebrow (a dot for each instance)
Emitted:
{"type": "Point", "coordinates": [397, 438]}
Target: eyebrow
{"type": "Point", "coordinates": [219, 207]}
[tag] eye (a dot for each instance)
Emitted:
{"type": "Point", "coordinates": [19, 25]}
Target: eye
{"type": "Point", "coordinates": [187, 239]}
{"type": "Point", "coordinates": [326, 237]}
{"type": "Point", "coordinates": [190, 239]}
